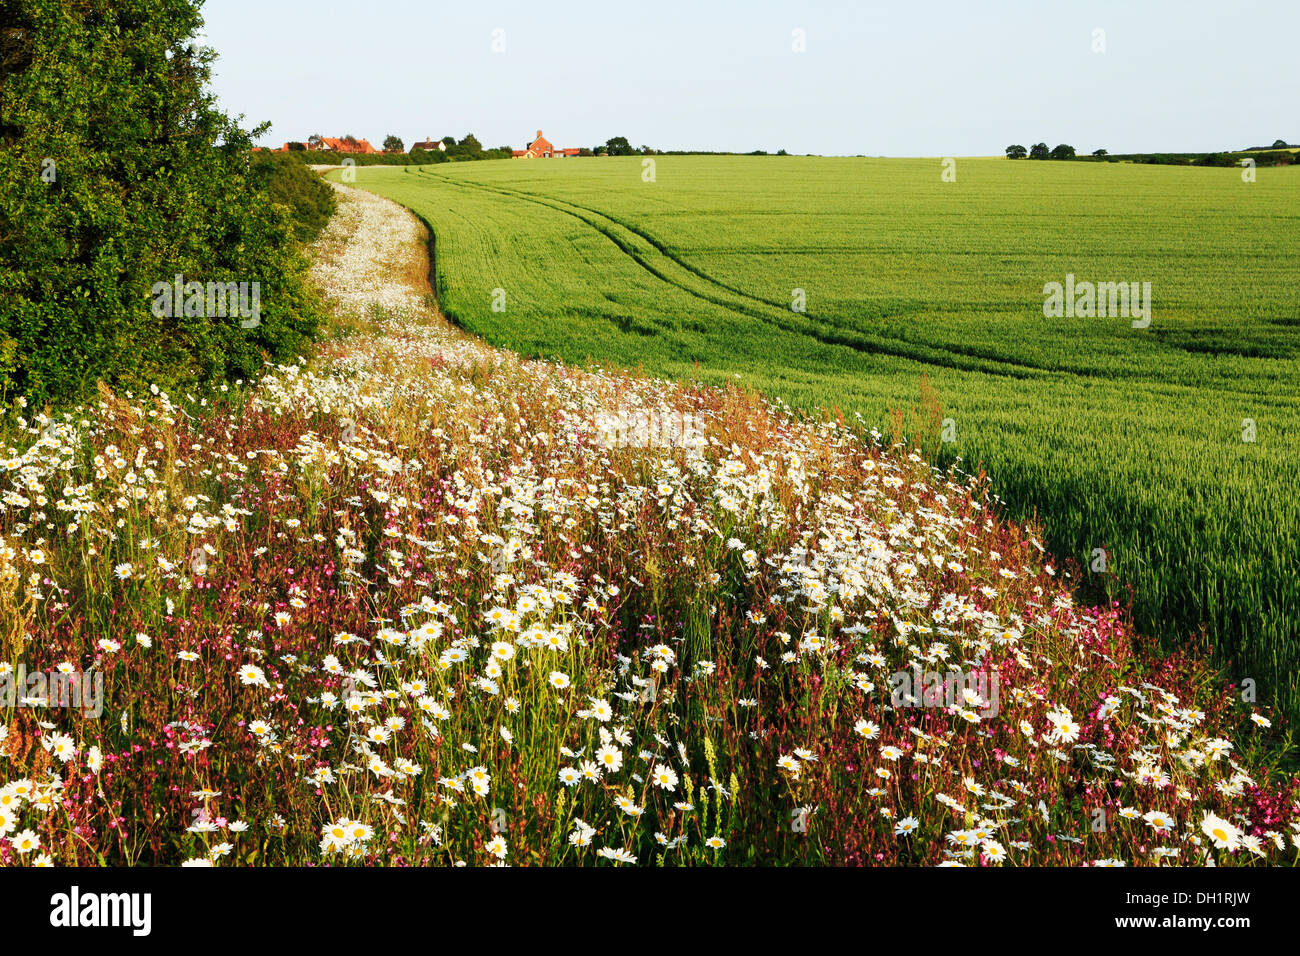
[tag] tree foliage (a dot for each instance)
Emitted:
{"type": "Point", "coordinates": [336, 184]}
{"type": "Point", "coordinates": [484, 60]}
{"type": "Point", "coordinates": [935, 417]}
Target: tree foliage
{"type": "Point", "coordinates": [117, 171]}
{"type": "Point", "coordinates": [619, 146]}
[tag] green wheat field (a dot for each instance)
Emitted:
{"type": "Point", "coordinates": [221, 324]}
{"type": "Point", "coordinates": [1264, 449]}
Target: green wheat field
{"type": "Point", "coordinates": [1164, 460]}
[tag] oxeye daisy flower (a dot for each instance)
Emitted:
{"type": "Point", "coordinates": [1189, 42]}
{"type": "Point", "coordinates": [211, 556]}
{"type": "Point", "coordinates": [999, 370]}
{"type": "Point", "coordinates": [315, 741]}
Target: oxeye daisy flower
{"type": "Point", "coordinates": [664, 777]}
{"type": "Point", "coordinates": [60, 746]}
{"type": "Point", "coordinates": [335, 836]}
{"type": "Point", "coordinates": [25, 842]}
{"type": "Point", "coordinates": [617, 855]}
{"type": "Point", "coordinates": [569, 776]}
{"type": "Point", "coordinates": [1222, 834]}
{"type": "Point", "coordinates": [1158, 820]}
{"type": "Point", "coordinates": [252, 676]}
{"type": "Point", "coordinates": [993, 851]}
{"type": "Point", "coordinates": [609, 758]}
{"type": "Point", "coordinates": [906, 826]}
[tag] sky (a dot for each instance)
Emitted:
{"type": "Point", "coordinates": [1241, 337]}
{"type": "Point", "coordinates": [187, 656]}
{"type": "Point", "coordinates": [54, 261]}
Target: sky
{"type": "Point", "coordinates": [914, 78]}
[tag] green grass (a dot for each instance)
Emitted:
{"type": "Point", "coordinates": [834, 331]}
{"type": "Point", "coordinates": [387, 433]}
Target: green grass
{"type": "Point", "coordinates": [1124, 439]}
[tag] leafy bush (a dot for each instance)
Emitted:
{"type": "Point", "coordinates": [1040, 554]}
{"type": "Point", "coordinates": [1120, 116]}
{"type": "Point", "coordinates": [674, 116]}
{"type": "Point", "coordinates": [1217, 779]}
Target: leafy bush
{"type": "Point", "coordinates": [308, 202]}
{"type": "Point", "coordinates": [116, 173]}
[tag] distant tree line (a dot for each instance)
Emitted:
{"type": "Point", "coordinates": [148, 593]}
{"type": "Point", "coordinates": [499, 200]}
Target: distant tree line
{"type": "Point", "coordinates": [619, 146]}
{"type": "Point", "coordinates": [1277, 155]}
{"type": "Point", "coordinates": [1040, 151]}
{"type": "Point", "coordinates": [467, 149]}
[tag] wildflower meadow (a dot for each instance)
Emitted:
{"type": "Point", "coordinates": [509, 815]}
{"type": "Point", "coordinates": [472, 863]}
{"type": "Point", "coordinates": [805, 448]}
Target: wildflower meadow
{"type": "Point", "coordinates": [411, 600]}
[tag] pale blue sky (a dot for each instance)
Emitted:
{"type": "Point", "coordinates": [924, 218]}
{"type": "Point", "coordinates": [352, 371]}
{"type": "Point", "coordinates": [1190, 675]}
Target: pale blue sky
{"type": "Point", "coordinates": [916, 78]}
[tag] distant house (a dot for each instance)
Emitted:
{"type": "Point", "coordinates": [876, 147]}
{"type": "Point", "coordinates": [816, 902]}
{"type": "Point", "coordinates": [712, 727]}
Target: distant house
{"type": "Point", "coordinates": [347, 146]}
{"type": "Point", "coordinates": [541, 148]}
{"type": "Point", "coordinates": [430, 145]}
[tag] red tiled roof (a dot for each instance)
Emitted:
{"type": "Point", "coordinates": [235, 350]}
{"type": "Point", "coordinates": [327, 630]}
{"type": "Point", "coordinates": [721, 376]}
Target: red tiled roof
{"type": "Point", "coordinates": [542, 147]}
{"type": "Point", "coordinates": [343, 146]}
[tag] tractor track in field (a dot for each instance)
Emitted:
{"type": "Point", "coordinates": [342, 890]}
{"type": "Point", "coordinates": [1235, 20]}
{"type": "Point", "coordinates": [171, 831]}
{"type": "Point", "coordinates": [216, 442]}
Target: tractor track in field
{"type": "Point", "coordinates": [725, 296]}
{"type": "Point", "coordinates": [773, 313]}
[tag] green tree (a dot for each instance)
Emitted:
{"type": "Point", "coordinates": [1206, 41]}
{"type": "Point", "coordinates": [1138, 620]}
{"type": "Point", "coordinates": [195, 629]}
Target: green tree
{"type": "Point", "coordinates": [1062, 151]}
{"type": "Point", "coordinates": [393, 144]}
{"type": "Point", "coordinates": [1016, 152]}
{"type": "Point", "coordinates": [118, 173]}
{"type": "Point", "coordinates": [619, 146]}
{"type": "Point", "coordinates": [1039, 151]}
{"type": "Point", "coordinates": [1279, 144]}
{"type": "Point", "coordinates": [1100, 152]}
